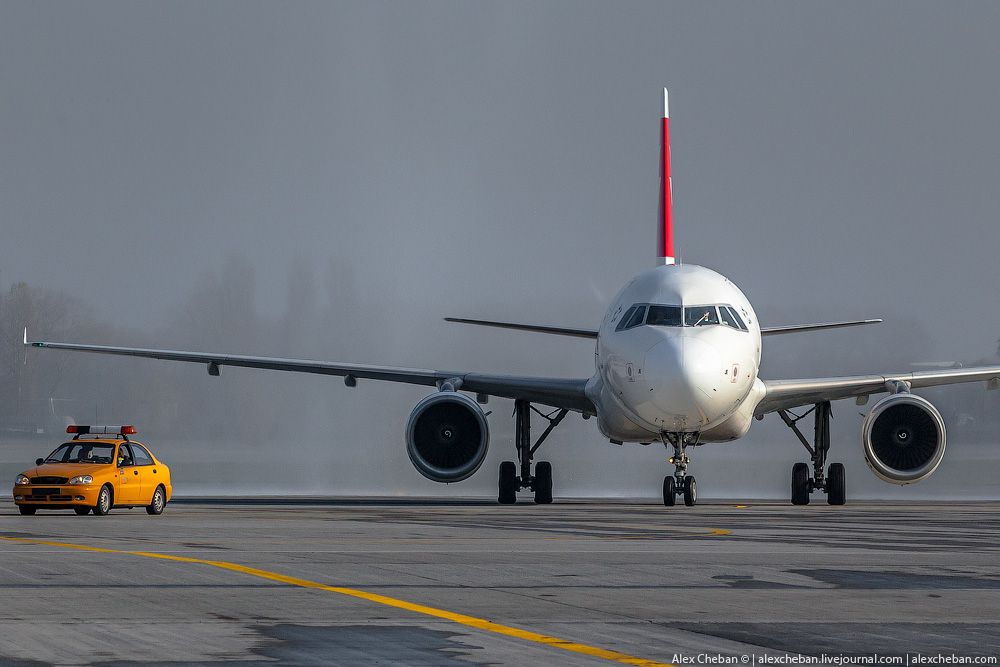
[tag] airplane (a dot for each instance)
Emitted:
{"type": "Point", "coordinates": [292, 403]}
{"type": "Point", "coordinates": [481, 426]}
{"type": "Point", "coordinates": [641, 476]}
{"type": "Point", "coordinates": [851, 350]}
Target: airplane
{"type": "Point", "coordinates": [676, 361]}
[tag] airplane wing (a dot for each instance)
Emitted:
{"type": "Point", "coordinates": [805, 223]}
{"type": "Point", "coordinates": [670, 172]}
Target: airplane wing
{"type": "Point", "coordinates": [556, 392]}
{"type": "Point", "coordinates": [797, 328]}
{"type": "Point", "coordinates": [559, 331]}
{"type": "Point", "coordinates": [591, 333]}
{"type": "Point", "coordinates": [785, 394]}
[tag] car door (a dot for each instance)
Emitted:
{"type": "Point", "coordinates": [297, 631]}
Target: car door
{"type": "Point", "coordinates": [129, 477]}
{"type": "Point", "coordinates": [148, 475]}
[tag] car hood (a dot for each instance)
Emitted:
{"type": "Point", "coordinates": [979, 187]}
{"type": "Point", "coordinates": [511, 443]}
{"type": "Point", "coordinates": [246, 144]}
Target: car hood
{"type": "Point", "coordinates": [68, 469]}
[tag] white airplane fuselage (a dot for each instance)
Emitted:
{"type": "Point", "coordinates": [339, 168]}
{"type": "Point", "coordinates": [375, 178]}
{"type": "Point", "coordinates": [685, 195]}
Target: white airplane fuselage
{"type": "Point", "coordinates": [694, 372]}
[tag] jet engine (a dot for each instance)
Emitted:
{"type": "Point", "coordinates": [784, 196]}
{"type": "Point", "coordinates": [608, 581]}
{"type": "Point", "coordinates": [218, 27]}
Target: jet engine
{"type": "Point", "coordinates": [447, 436]}
{"type": "Point", "coordinates": [904, 438]}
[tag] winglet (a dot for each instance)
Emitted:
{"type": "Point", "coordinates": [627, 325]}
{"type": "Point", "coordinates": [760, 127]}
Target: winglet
{"type": "Point", "coordinates": [25, 335]}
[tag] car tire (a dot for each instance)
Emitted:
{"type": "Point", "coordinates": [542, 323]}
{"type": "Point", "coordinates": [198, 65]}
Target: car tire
{"type": "Point", "coordinates": [82, 511]}
{"type": "Point", "coordinates": [26, 511]}
{"type": "Point", "coordinates": [105, 501]}
{"type": "Point", "coordinates": [157, 502]}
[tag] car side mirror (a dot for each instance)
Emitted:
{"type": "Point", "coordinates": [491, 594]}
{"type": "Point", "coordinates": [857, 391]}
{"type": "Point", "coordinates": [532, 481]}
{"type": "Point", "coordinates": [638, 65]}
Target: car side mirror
{"type": "Point", "coordinates": [39, 462]}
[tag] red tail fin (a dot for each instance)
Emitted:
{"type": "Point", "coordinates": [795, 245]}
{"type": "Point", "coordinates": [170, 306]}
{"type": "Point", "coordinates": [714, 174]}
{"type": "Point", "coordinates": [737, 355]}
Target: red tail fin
{"type": "Point", "coordinates": [665, 247]}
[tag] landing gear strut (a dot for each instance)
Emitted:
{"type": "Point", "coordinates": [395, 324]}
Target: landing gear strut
{"type": "Point", "coordinates": [680, 483]}
{"type": "Point", "coordinates": [833, 483]}
{"type": "Point", "coordinates": [541, 482]}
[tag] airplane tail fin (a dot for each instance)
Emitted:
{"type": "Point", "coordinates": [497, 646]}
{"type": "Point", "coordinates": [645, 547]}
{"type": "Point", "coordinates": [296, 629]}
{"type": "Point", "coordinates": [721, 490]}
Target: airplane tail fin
{"type": "Point", "coordinates": [665, 246]}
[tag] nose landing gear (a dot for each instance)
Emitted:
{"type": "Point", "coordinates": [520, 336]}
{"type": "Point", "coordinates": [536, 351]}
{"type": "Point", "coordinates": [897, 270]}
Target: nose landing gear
{"type": "Point", "coordinates": [541, 482]}
{"type": "Point", "coordinates": [680, 483]}
{"type": "Point", "coordinates": [833, 483]}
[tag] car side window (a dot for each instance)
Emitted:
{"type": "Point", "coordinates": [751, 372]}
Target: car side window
{"type": "Point", "coordinates": [142, 457]}
{"type": "Point", "coordinates": [125, 456]}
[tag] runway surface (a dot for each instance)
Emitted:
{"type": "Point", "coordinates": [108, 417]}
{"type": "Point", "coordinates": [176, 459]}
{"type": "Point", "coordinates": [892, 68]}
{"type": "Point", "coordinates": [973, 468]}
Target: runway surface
{"type": "Point", "coordinates": [360, 583]}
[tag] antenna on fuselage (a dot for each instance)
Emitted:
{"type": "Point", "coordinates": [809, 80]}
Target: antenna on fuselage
{"type": "Point", "coordinates": [665, 245]}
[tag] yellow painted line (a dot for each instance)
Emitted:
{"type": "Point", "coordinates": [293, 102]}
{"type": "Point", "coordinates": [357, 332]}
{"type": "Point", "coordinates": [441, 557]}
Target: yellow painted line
{"type": "Point", "coordinates": [721, 531]}
{"type": "Point", "coordinates": [461, 619]}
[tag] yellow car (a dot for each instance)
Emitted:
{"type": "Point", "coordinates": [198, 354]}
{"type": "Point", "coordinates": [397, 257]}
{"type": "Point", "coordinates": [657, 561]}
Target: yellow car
{"type": "Point", "coordinates": [95, 473]}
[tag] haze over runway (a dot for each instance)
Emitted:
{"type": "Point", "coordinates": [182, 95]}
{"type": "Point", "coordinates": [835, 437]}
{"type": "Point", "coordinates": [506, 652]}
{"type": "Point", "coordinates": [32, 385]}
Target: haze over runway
{"type": "Point", "coordinates": [331, 182]}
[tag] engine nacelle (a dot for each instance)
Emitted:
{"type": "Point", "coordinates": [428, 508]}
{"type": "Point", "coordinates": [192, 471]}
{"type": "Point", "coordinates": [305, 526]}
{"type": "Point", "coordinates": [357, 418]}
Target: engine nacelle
{"type": "Point", "coordinates": [447, 436]}
{"type": "Point", "coordinates": [904, 438]}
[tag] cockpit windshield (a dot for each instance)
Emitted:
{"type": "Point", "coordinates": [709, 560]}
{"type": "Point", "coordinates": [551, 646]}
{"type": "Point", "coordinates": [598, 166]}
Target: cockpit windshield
{"type": "Point", "coordinates": [700, 316]}
{"type": "Point", "coordinates": [676, 316]}
{"type": "Point", "coordinates": [664, 316]}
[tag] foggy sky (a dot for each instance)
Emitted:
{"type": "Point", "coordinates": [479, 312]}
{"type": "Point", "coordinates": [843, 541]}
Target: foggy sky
{"type": "Point", "coordinates": [402, 162]}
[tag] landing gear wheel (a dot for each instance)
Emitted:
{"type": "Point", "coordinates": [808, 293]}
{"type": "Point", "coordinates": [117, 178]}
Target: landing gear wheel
{"type": "Point", "coordinates": [690, 491]}
{"type": "Point", "coordinates": [103, 502]}
{"type": "Point", "coordinates": [669, 491]}
{"type": "Point", "coordinates": [159, 501]}
{"type": "Point", "coordinates": [800, 484]}
{"type": "Point", "coordinates": [836, 484]}
{"type": "Point", "coordinates": [543, 483]}
{"type": "Point", "coordinates": [81, 511]}
{"type": "Point", "coordinates": [26, 511]}
{"type": "Point", "coordinates": [507, 483]}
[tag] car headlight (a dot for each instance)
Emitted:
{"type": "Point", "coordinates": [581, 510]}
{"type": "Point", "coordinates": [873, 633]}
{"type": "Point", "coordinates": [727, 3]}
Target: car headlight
{"type": "Point", "coordinates": [82, 479]}
{"type": "Point", "coordinates": [22, 479]}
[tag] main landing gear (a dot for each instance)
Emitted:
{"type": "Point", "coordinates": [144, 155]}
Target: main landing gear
{"type": "Point", "coordinates": [833, 483]}
{"type": "Point", "coordinates": [541, 482]}
{"type": "Point", "coordinates": [680, 483]}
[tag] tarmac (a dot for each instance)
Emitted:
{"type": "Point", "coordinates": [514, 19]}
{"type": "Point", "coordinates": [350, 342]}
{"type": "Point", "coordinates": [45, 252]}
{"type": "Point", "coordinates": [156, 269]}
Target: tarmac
{"type": "Point", "coordinates": [362, 582]}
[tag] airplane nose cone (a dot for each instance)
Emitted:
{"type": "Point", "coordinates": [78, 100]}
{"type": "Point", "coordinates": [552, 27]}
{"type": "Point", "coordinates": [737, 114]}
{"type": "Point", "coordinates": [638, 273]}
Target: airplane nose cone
{"type": "Point", "coordinates": [684, 375]}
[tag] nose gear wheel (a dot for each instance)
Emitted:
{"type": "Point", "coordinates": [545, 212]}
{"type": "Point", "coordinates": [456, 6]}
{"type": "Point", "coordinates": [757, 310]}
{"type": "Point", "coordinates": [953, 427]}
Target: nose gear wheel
{"type": "Point", "coordinates": [680, 483]}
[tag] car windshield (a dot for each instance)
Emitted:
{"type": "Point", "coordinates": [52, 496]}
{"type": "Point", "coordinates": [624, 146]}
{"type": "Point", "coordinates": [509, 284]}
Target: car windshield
{"type": "Point", "coordinates": [82, 452]}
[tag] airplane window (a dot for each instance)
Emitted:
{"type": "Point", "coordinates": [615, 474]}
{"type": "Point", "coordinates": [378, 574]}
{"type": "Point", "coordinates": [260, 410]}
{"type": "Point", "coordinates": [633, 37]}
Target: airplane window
{"type": "Point", "coordinates": [665, 316]}
{"type": "Point", "coordinates": [632, 317]}
{"type": "Point", "coordinates": [625, 318]}
{"type": "Point", "coordinates": [637, 317]}
{"type": "Point", "coordinates": [727, 317]}
{"type": "Point", "coordinates": [699, 316]}
{"type": "Point", "coordinates": [736, 316]}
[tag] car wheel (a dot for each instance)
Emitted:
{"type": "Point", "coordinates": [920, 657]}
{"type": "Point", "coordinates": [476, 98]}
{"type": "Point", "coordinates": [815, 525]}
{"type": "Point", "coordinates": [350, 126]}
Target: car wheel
{"type": "Point", "coordinates": [104, 501]}
{"type": "Point", "coordinates": [26, 511]}
{"type": "Point", "coordinates": [81, 510]}
{"type": "Point", "coordinates": [159, 501]}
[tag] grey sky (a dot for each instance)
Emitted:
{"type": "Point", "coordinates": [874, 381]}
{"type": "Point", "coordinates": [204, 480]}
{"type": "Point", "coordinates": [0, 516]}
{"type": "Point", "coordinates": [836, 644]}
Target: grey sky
{"type": "Point", "coordinates": [836, 160]}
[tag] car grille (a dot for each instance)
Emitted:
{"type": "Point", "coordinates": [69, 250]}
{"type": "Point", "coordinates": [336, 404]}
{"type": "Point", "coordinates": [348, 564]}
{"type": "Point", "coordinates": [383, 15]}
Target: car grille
{"type": "Point", "coordinates": [49, 498]}
{"type": "Point", "coordinates": [48, 480]}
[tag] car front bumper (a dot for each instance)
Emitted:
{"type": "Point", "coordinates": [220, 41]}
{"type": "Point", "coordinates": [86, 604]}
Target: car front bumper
{"type": "Point", "coordinates": [66, 495]}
